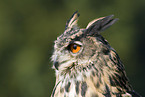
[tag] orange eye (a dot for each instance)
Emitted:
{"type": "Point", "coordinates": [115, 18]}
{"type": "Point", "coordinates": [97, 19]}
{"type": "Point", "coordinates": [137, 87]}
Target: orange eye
{"type": "Point", "coordinates": [74, 48]}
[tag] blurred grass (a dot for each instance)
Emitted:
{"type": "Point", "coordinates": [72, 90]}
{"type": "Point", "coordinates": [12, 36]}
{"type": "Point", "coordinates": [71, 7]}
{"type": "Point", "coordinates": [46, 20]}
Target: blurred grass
{"type": "Point", "coordinates": [28, 29]}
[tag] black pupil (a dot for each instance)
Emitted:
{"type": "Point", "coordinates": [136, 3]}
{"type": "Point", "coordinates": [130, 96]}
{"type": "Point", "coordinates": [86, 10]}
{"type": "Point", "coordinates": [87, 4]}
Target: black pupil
{"type": "Point", "coordinates": [75, 46]}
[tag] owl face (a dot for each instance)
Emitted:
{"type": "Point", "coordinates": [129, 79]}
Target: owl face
{"type": "Point", "coordinates": [77, 47]}
{"type": "Point", "coordinates": [74, 52]}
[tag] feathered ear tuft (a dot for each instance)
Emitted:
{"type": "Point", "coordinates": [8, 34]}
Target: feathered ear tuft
{"type": "Point", "coordinates": [98, 25]}
{"type": "Point", "coordinates": [73, 20]}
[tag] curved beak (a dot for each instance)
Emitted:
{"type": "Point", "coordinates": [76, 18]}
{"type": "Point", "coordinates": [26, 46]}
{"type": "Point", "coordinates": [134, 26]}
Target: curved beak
{"type": "Point", "coordinates": [55, 62]}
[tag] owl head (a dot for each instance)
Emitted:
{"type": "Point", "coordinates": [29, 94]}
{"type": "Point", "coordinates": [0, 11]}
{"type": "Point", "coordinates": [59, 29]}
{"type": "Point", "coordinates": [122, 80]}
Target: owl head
{"type": "Point", "coordinates": [78, 47]}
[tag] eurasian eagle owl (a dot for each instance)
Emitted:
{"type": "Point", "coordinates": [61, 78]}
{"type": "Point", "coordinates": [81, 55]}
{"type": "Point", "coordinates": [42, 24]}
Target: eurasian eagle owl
{"type": "Point", "coordinates": [86, 65]}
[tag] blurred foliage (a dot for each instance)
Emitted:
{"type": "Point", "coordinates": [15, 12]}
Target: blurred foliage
{"type": "Point", "coordinates": [29, 27]}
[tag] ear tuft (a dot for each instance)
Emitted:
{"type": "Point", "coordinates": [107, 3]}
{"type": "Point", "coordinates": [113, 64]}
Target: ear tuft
{"type": "Point", "coordinates": [98, 25]}
{"type": "Point", "coordinates": [73, 20]}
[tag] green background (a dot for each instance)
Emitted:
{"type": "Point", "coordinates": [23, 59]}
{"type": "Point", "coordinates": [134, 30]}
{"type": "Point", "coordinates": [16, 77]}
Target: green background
{"type": "Point", "coordinates": [29, 27]}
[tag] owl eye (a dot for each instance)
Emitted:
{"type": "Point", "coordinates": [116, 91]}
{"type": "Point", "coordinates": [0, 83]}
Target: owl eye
{"type": "Point", "coordinates": [74, 48]}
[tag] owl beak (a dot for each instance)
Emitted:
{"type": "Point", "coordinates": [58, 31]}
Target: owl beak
{"type": "Point", "coordinates": [55, 63]}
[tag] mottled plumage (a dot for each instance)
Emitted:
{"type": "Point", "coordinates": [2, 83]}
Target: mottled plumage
{"type": "Point", "coordinates": [86, 65]}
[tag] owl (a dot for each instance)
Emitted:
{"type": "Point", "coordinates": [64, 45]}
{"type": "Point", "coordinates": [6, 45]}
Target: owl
{"type": "Point", "coordinates": [86, 65]}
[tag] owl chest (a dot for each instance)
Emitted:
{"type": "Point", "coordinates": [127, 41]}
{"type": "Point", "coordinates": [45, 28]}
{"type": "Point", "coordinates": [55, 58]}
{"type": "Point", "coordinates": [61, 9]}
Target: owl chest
{"type": "Point", "coordinates": [80, 85]}
{"type": "Point", "coordinates": [76, 89]}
